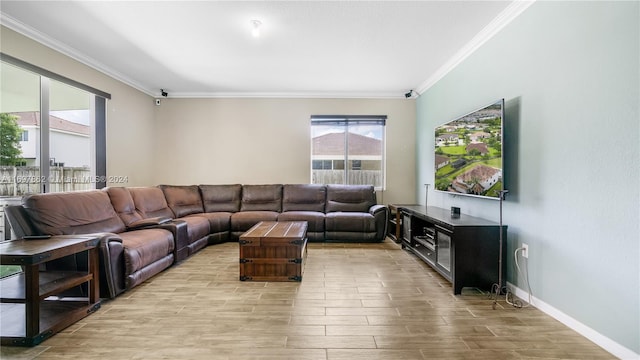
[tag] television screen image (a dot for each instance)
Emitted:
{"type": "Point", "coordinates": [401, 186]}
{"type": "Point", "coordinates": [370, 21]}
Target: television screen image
{"type": "Point", "coordinates": [468, 153]}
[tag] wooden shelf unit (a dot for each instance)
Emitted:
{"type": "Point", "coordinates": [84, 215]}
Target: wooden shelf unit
{"type": "Point", "coordinates": [30, 302]}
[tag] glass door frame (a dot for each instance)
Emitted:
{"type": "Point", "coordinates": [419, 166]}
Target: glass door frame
{"type": "Point", "coordinates": [99, 105]}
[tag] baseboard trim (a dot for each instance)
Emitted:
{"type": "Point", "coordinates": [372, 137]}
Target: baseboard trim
{"type": "Point", "coordinates": [604, 342]}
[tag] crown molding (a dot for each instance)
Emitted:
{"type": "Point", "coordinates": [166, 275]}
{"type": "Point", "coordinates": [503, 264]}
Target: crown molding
{"type": "Point", "coordinates": [21, 28]}
{"type": "Point", "coordinates": [512, 11]}
{"type": "Point", "coordinates": [296, 95]}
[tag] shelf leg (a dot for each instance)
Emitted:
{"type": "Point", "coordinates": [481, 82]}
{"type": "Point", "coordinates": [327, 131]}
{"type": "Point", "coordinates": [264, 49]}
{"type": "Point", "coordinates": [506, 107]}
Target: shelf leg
{"type": "Point", "coordinates": [32, 299]}
{"type": "Point", "coordinates": [94, 284]}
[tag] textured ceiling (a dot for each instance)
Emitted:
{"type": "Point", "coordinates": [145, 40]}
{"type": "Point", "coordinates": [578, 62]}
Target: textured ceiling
{"type": "Point", "coordinates": [306, 49]}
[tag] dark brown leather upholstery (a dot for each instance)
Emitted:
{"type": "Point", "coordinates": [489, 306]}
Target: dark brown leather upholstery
{"type": "Point", "coordinates": [219, 226]}
{"type": "Point", "coordinates": [221, 198]}
{"type": "Point", "coordinates": [183, 200]}
{"type": "Point", "coordinates": [303, 197]}
{"type": "Point", "coordinates": [352, 214]}
{"type": "Point", "coordinates": [151, 202]}
{"type": "Point", "coordinates": [69, 213]}
{"type": "Point", "coordinates": [261, 198]}
{"type": "Point", "coordinates": [19, 221]}
{"type": "Point", "coordinates": [350, 198]}
{"type": "Point", "coordinates": [142, 248]}
{"type": "Point", "coordinates": [305, 202]}
{"type": "Point", "coordinates": [87, 212]}
{"type": "Point", "coordinates": [259, 203]}
{"type": "Point", "coordinates": [220, 201]}
{"type": "Point", "coordinates": [123, 204]}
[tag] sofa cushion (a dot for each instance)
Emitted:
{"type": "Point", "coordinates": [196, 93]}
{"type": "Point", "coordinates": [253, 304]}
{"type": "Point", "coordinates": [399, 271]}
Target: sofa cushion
{"type": "Point", "coordinates": [244, 220]}
{"type": "Point", "coordinates": [150, 202]}
{"type": "Point", "coordinates": [68, 213]}
{"type": "Point", "coordinates": [261, 198]}
{"type": "Point", "coordinates": [144, 247]}
{"type": "Point", "coordinates": [183, 200]}
{"type": "Point", "coordinates": [357, 198]}
{"type": "Point", "coordinates": [197, 227]}
{"type": "Point", "coordinates": [350, 222]}
{"type": "Point", "coordinates": [303, 197]}
{"type": "Point", "coordinates": [218, 221]}
{"type": "Point", "coordinates": [225, 198]}
{"type": "Point", "coordinates": [122, 203]}
{"type": "Point", "coordinates": [314, 219]}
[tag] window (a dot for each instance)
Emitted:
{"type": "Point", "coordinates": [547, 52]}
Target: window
{"type": "Point", "coordinates": [58, 131]}
{"type": "Point", "coordinates": [348, 149]}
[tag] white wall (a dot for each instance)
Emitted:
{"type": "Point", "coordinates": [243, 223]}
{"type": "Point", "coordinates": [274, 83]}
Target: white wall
{"type": "Point", "coordinates": [130, 113]}
{"type": "Point", "coordinates": [261, 141]}
{"type": "Point", "coordinates": [569, 72]}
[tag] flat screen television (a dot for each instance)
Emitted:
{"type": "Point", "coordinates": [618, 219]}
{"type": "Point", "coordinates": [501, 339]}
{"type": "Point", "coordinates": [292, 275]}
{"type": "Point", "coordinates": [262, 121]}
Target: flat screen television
{"type": "Point", "coordinates": [468, 153]}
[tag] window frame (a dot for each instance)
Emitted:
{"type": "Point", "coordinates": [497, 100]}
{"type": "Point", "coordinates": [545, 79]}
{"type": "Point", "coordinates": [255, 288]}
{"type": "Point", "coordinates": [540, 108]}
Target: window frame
{"type": "Point", "coordinates": [100, 110]}
{"type": "Point", "coordinates": [346, 121]}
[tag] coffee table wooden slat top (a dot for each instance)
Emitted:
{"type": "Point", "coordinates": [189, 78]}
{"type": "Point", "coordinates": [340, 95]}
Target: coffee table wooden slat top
{"type": "Point", "coordinates": [274, 232]}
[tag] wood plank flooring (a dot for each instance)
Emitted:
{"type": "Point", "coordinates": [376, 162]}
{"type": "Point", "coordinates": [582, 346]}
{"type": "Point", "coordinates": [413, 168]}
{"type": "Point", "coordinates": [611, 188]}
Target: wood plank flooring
{"type": "Point", "coordinates": [356, 301]}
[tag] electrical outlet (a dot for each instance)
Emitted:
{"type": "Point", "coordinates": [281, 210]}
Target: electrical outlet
{"type": "Point", "coordinates": [525, 251]}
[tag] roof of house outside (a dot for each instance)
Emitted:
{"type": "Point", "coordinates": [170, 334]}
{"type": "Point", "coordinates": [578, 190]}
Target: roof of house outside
{"type": "Point", "coordinates": [32, 118]}
{"type": "Point", "coordinates": [333, 144]}
{"type": "Point", "coordinates": [441, 159]}
{"type": "Point", "coordinates": [480, 172]}
{"type": "Point", "coordinates": [482, 147]}
{"type": "Point", "coordinates": [448, 137]}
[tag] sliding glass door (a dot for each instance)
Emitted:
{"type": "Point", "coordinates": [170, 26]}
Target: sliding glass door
{"type": "Point", "coordinates": [71, 157]}
{"type": "Point", "coordinates": [52, 134]}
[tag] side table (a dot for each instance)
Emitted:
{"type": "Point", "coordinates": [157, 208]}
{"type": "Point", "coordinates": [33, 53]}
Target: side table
{"type": "Point", "coordinates": [31, 311]}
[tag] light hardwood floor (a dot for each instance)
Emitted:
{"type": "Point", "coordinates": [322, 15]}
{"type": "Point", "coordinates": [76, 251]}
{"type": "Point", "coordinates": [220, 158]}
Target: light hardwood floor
{"type": "Point", "coordinates": [356, 301]}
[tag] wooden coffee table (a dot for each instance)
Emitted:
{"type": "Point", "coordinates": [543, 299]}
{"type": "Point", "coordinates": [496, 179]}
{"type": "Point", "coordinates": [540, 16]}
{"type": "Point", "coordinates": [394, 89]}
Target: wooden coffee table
{"type": "Point", "coordinates": [273, 251]}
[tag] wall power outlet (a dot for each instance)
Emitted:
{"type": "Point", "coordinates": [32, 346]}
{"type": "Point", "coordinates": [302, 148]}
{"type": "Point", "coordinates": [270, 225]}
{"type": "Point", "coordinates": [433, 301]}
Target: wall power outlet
{"type": "Point", "coordinates": [525, 251]}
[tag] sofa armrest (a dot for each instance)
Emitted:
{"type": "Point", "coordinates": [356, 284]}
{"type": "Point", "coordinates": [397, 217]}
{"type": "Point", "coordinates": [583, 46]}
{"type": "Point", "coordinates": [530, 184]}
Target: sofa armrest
{"type": "Point", "coordinates": [381, 216]}
{"type": "Point", "coordinates": [20, 222]}
{"type": "Point", "coordinates": [148, 222]}
{"type": "Point", "coordinates": [111, 260]}
{"type": "Point", "coordinates": [180, 237]}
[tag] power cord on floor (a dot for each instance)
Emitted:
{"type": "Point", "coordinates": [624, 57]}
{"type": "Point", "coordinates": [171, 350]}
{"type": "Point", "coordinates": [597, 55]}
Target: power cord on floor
{"type": "Point", "coordinates": [517, 303]}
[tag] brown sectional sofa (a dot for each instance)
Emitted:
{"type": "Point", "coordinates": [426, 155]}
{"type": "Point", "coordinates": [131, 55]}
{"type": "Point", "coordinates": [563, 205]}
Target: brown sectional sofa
{"type": "Point", "coordinates": [145, 230]}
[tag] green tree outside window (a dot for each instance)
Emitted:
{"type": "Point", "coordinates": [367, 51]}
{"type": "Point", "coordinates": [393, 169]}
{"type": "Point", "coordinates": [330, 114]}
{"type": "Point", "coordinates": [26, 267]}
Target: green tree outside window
{"type": "Point", "coordinates": [10, 135]}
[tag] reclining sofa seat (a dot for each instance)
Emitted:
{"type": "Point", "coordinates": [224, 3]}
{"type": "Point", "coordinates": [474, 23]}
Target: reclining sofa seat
{"type": "Point", "coordinates": [259, 203]}
{"type": "Point", "coordinates": [220, 202]}
{"type": "Point", "coordinates": [127, 258]}
{"type": "Point", "coordinates": [352, 214]}
{"type": "Point", "coordinates": [186, 201]}
{"type": "Point", "coordinates": [305, 202]}
{"type": "Point", "coordinates": [150, 202]}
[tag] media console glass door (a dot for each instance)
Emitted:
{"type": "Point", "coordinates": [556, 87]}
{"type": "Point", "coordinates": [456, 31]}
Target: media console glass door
{"type": "Point", "coordinates": [406, 228]}
{"type": "Point", "coordinates": [444, 249]}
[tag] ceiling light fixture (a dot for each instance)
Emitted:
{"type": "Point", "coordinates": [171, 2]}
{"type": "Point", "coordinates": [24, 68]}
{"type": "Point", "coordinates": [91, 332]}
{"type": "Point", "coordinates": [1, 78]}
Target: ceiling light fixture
{"type": "Point", "coordinates": [256, 28]}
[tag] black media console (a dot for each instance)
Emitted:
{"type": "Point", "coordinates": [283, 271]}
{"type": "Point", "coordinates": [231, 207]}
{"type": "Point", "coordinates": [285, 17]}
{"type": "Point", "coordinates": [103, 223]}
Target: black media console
{"type": "Point", "coordinates": [464, 250]}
